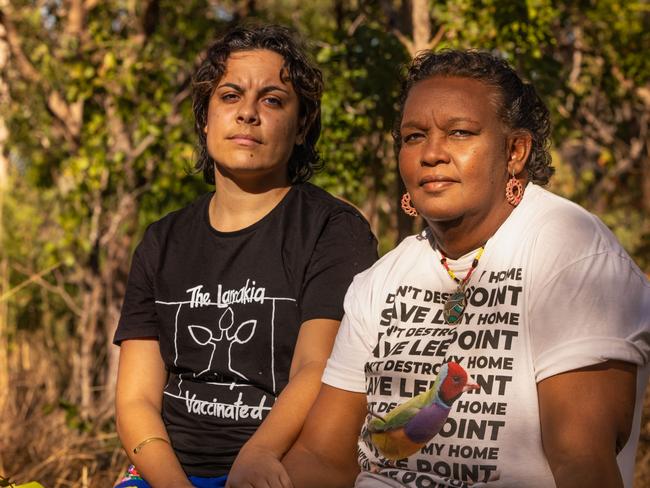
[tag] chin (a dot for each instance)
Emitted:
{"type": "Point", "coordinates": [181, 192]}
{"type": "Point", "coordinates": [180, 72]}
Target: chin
{"type": "Point", "coordinates": [252, 172]}
{"type": "Point", "coordinates": [441, 214]}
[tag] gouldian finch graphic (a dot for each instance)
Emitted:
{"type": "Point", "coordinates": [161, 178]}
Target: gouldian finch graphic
{"type": "Point", "coordinates": [409, 426]}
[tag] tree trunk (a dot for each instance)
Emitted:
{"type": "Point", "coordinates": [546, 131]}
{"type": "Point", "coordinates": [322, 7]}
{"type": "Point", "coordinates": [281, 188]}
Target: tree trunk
{"type": "Point", "coordinates": [4, 265]}
{"type": "Point", "coordinates": [87, 339]}
{"type": "Point", "coordinates": [4, 286]}
{"type": "Point", "coordinates": [421, 25]}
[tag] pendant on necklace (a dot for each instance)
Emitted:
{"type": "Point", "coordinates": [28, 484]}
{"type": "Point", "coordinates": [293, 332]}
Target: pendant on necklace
{"type": "Point", "coordinates": [455, 306]}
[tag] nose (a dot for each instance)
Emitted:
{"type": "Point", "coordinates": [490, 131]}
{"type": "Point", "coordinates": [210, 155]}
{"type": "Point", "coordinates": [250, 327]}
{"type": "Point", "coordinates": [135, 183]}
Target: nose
{"type": "Point", "coordinates": [247, 113]}
{"type": "Point", "coordinates": [434, 151]}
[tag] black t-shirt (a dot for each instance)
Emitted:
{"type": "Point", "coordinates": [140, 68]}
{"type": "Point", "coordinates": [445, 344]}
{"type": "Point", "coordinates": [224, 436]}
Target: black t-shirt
{"type": "Point", "coordinates": [227, 307]}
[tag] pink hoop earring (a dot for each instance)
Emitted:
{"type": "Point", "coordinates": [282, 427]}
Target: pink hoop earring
{"type": "Point", "coordinates": [407, 207]}
{"type": "Point", "coordinates": [514, 191]}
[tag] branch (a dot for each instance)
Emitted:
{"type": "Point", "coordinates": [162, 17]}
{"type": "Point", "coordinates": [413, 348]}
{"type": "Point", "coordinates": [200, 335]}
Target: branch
{"type": "Point", "coordinates": [356, 23]}
{"type": "Point", "coordinates": [605, 132]}
{"type": "Point", "coordinates": [11, 292]}
{"type": "Point", "coordinates": [116, 127]}
{"type": "Point", "coordinates": [142, 146]}
{"type": "Point", "coordinates": [97, 208]}
{"type": "Point", "coordinates": [406, 42]}
{"type": "Point", "coordinates": [90, 4]}
{"type": "Point", "coordinates": [124, 209]}
{"type": "Point", "coordinates": [25, 66]}
{"type": "Point", "coordinates": [69, 115]}
{"type": "Point", "coordinates": [643, 92]}
{"type": "Point", "coordinates": [174, 117]}
{"type": "Point", "coordinates": [576, 65]}
{"type": "Point", "coordinates": [76, 14]}
{"type": "Point", "coordinates": [437, 38]}
{"type": "Point", "coordinates": [57, 290]}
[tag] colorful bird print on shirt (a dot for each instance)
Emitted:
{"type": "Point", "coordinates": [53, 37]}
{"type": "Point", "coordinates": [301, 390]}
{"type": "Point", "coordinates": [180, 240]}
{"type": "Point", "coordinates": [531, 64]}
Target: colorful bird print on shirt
{"type": "Point", "coordinates": [409, 426]}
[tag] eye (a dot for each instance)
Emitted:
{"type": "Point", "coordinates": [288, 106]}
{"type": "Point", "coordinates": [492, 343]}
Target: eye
{"type": "Point", "coordinates": [462, 133]}
{"type": "Point", "coordinates": [412, 137]}
{"type": "Point", "coordinates": [229, 97]}
{"type": "Point", "coordinates": [272, 101]}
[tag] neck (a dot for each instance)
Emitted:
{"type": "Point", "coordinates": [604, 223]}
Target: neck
{"type": "Point", "coordinates": [457, 237]}
{"type": "Point", "coordinates": [237, 204]}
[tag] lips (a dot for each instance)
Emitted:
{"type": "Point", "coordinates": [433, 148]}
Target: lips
{"type": "Point", "coordinates": [436, 183]}
{"type": "Point", "coordinates": [244, 139]}
{"type": "Point", "coordinates": [436, 179]}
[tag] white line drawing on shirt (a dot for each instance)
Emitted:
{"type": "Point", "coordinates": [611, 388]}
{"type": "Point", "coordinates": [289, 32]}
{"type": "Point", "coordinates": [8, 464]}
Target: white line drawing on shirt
{"type": "Point", "coordinates": [203, 336]}
{"type": "Point", "coordinates": [178, 325]}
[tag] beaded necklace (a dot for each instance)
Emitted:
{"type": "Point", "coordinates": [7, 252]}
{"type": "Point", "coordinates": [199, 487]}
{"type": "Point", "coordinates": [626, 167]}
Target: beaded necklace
{"type": "Point", "coordinates": [457, 302]}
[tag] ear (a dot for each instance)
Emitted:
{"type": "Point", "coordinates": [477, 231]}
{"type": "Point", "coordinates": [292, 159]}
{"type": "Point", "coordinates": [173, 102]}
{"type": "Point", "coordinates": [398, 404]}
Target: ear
{"type": "Point", "coordinates": [519, 146]}
{"type": "Point", "coordinates": [205, 129]}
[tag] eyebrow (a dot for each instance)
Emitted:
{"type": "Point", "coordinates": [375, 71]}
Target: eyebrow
{"type": "Point", "coordinates": [263, 91]}
{"type": "Point", "coordinates": [462, 119]}
{"type": "Point", "coordinates": [454, 120]}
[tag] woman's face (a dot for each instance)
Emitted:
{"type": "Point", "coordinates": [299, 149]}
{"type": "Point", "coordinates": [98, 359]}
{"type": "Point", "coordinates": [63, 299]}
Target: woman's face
{"type": "Point", "coordinates": [454, 156]}
{"type": "Point", "coordinates": [253, 121]}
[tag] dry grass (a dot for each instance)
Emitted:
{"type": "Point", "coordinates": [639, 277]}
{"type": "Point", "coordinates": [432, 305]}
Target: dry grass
{"type": "Point", "coordinates": [41, 436]}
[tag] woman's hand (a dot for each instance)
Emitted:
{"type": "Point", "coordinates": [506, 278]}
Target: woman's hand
{"type": "Point", "coordinates": [257, 467]}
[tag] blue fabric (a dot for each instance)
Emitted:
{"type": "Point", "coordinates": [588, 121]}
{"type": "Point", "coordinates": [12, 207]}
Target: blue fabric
{"type": "Point", "coordinates": [133, 483]}
{"type": "Point", "coordinates": [197, 481]}
{"type": "Point", "coordinates": [219, 482]}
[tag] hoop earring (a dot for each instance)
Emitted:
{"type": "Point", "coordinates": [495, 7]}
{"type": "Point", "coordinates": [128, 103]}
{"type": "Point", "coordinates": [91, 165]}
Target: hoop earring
{"type": "Point", "coordinates": [514, 191]}
{"type": "Point", "coordinates": [407, 207]}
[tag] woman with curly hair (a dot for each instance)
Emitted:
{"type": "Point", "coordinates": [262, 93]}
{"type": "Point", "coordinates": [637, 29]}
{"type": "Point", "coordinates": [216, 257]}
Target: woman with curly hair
{"type": "Point", "coordinates": [233, 302]}
{"type": "Point", "coordinates": [505, 345]}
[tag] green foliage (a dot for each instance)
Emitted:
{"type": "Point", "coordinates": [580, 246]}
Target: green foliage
{"type": "Point", "coordinates": [358, 110]}
{"type": "Point", "coordinates": [139, 82]}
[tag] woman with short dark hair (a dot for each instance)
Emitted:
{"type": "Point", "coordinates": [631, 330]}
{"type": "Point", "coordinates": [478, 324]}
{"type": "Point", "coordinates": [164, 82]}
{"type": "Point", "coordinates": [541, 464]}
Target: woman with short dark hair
{"type": "Point", "coordinates": [233, 302]}
{"type": "Point", "coordinates": [505, 345]}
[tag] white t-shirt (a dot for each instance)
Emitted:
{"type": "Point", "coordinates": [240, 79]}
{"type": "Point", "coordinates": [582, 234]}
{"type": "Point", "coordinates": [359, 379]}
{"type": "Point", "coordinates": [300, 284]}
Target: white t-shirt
{"type": "Point", "coordinates": [553, 292]}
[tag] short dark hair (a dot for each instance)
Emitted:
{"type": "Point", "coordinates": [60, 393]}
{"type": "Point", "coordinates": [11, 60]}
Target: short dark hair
{"type": "Point", "coordinates": [305, 77]}
{"type": "Point", "coordinates": [521, 107]}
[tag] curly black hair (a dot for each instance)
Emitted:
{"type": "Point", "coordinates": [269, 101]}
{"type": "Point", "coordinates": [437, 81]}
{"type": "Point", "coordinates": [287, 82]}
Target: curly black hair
{"type": "Point", "coordinates": [521, 107]}
{"type": "Point", "coordinates": [305, 77]}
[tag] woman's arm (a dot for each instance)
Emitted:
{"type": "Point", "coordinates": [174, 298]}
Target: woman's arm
{"type": "Point", "coordinates": [140, 381]}
{"type": "Point", "coordinates": [258, 463]}
{"type": "Point", "coordinates": [325, 454]}
{"type": "Point", "coordinates": [586, 417]}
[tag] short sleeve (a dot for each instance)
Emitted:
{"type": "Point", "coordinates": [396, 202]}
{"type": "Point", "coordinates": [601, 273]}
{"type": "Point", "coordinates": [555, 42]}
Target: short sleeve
{"type": "Point", "coordinates": [138, 317]}
{"type": "Point", "coordinates": [354, 342]}
{"type": "Point", "coordinates": [595, 309]}
{"type": "Point", "coordinates": [345, 247]}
